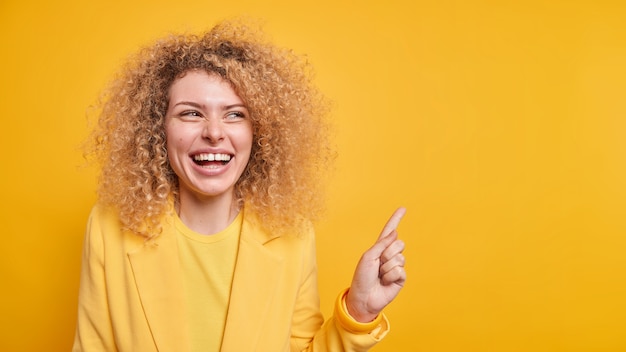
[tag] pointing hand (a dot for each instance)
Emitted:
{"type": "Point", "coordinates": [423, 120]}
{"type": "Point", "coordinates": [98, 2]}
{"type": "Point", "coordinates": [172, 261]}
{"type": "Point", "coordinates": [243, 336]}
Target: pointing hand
{"type": "Point", "coordinates": [379, 275]}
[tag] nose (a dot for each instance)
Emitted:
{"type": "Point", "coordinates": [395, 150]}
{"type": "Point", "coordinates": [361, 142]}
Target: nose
{"type": "Point", "coordinates": [213, 130]}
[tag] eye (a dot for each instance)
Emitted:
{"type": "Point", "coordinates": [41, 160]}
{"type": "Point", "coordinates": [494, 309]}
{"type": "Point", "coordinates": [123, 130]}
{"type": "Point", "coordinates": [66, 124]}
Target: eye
{"type": "Point", "coordinates": [190, 115]}
{"type": "Point", "coordinates": [235, 115]}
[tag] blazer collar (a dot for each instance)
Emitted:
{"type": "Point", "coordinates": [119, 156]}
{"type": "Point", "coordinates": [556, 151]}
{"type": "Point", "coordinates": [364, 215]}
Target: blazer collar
{"type": "Point", "coordinates": [254, 285]}
{"type": "Point", "coordinates": [156, 269]}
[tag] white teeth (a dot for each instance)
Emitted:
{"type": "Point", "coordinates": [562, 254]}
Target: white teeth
{"type": "Point", "coordinates": [211, 157]}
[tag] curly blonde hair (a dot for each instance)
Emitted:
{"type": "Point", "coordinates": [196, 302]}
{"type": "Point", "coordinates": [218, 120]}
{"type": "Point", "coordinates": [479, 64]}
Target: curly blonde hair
{"type": "Point", "coordinates": [282, 183]}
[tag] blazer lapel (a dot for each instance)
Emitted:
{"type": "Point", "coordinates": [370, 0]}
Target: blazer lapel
{"type": "Point", "coordinates": [254, 284]}
{"type": "Point", "coordinates": [157, 275]}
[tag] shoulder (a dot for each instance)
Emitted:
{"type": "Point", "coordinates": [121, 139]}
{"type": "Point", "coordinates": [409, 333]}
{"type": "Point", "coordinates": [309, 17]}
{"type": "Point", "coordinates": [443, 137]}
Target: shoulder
{"type": "Point", "coordinates": [104, 227]}
{"type": "Point", "coordinates": [103, 214]}
{"type": "Point", "coordinates": [102, 219]}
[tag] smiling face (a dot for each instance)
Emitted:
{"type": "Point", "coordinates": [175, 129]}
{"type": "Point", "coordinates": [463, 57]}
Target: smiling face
{"type": "Point", "coordinates": [209, 135]}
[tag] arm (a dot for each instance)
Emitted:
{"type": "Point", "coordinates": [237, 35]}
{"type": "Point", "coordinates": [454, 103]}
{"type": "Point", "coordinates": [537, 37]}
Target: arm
{"type": "Point", "coordinates": [376, 281]}
{"type": "Point", "coordinates": [93, 329]}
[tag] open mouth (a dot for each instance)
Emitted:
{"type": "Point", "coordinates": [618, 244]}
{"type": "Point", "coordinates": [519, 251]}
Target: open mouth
{"type": "Point", "coordinates": [211, 160]}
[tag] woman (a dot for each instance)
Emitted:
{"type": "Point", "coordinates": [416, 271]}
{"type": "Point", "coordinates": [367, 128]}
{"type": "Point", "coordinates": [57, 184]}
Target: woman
{"type": "Point", "coordinates": [201, 238]}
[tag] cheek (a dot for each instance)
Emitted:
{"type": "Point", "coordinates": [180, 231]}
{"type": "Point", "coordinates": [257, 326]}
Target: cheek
{"type": "Point", "coordinates": [175, 138]}
{"type": "Point", "coordinates": [246, 138]}
{"type": "Point", "coordinates": [174, 146]}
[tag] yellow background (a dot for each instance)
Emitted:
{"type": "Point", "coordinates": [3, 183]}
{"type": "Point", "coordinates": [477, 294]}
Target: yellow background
{"type": "Point", "coordinates": [500, 125]}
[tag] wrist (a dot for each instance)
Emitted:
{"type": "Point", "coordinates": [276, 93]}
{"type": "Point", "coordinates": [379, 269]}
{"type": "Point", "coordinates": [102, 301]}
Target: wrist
{"type": "Point", "coordinates": [360, 315]}
{"type": "Point", "coordinates": [349, 322]}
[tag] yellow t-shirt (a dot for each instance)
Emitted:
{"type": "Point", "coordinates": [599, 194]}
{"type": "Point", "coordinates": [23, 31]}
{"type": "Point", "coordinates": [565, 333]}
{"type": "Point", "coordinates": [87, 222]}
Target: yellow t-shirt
{"type": "Point", "coordinates": [208, 264]}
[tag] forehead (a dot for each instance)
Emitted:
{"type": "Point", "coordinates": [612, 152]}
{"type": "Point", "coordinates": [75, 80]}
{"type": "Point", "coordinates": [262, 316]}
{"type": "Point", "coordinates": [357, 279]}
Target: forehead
{"type": "Point", "coordinates": [201, 85]}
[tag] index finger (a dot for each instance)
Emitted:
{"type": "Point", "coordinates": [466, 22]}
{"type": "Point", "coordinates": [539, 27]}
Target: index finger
{"type": "Point", "coordinates": [392, 223]}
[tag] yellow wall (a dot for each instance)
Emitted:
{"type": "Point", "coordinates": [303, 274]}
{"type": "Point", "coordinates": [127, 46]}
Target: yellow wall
{"type": "Point", "coordinates": [502, 128]}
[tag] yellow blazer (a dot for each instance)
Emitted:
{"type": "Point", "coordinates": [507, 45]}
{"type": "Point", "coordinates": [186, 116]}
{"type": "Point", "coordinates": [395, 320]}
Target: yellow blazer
{"type": "Point", "coordinates": [131, 294]}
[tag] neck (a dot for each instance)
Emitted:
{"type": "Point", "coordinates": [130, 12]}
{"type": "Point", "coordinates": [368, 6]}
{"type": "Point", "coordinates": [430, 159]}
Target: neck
{"type": "Point", "coordinates": [208, 215]}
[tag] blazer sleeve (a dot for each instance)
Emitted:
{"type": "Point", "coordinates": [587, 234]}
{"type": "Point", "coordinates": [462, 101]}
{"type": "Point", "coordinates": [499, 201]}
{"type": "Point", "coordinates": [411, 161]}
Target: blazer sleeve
{"type": "Point", "coordinates": [336, 333]}
{"type": "Point", "coordinates": [93, 329]}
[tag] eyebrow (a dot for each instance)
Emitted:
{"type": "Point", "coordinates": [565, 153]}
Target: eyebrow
{"type": "Point", "coordinates": [191, 103]}
{"type": "Point", "coordinates": [199, 106]}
